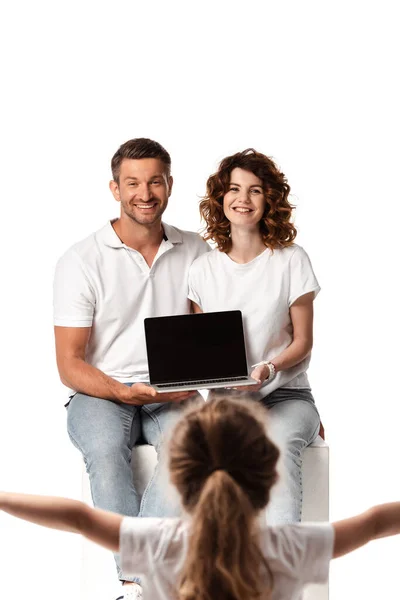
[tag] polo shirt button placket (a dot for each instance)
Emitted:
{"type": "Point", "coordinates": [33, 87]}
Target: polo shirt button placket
{"type": "Point", "coordinates": [139, 260]}
{"type": "Point", "coordinates": [144, 266]}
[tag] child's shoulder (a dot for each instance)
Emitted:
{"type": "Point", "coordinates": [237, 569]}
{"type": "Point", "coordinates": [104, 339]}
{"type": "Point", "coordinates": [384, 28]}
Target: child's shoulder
{"type": "Point", "coordinates": [290, 543]}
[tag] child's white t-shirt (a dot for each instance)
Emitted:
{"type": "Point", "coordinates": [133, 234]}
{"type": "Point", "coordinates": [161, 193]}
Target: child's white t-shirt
{"type": "Point", "coordinates": [155, 550]}
{"type": "Point", "coordinates": [264, 289]}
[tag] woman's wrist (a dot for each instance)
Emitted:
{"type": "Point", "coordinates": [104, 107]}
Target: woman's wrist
{"type": "Point", "coordinates": [271, 369]}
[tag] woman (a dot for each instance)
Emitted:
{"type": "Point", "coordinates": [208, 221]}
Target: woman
{"type": "Point", "coordinates": [223, 465]}
{"type": "Point", "coordinates": [258, 269]}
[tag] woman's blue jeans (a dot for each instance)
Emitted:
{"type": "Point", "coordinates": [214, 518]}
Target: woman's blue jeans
{"type": "Point", "coordinates": [294, 424]}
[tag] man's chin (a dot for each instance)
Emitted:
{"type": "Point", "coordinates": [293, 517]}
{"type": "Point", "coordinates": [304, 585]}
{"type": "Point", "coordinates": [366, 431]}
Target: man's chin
{"type": "Point", "coordinates": [143, 218]}
{"type": "Point", "coordinates": [146, 219]}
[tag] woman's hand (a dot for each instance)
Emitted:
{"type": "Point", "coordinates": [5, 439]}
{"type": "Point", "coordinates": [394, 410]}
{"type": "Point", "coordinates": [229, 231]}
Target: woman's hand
{"type": "Point", "coordinates": [260, 374]}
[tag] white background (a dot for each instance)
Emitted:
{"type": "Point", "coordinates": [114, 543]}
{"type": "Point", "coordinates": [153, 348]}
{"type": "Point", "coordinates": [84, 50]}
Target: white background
{"type": "Point", "coordinates": [312, 84]}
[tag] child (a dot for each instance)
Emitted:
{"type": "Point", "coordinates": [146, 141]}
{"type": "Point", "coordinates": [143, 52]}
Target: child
{"type": "Point", "coordinates": [223, 465]}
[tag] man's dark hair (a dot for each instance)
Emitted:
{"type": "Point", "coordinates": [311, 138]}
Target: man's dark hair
{"type": "Point", "coordinates": [137, 149]}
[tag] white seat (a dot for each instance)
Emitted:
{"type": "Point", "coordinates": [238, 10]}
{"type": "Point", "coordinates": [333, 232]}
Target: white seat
{"type": "Point", "coordinates": [315, 472]}
{"type": "Point", "coordinates": [98, 577]}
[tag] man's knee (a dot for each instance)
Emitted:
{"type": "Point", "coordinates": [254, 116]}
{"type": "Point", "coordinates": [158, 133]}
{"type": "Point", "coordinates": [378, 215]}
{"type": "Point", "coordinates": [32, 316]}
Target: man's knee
{"type": "Point", "coordinates": [105, 454]}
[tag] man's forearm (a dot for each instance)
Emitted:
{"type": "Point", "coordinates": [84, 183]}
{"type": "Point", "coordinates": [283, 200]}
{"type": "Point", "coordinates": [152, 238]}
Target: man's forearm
{"type": "Point", "coordinates": [82, 377]}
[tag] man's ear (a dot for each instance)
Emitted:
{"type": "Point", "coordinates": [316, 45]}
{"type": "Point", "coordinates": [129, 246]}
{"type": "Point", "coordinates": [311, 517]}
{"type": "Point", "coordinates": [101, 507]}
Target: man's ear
{"type": "Point", "coordinates": [170, 184]}
{"type": "Point", "coordinates": [113, 185]}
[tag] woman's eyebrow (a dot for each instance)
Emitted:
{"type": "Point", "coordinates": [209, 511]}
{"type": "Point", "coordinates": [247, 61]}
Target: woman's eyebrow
{"type": "Point", "coordinates": [252, 186]}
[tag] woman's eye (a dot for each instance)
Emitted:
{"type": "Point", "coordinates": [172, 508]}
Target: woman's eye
{"type": "Point", "coordinates": [234, 189]}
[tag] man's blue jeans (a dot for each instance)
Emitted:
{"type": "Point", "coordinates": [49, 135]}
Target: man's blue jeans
{"type": "Point", "coordinates": [105, 433]}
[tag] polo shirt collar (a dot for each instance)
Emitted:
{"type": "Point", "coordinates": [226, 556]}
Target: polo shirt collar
{"type": "Point", "coordinates": [174, 235]}
{"type": "Point", "coordinates": [110, 238]}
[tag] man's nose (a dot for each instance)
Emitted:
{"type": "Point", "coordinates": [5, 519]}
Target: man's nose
{"type": "Point", "coordinates": [145, 193]}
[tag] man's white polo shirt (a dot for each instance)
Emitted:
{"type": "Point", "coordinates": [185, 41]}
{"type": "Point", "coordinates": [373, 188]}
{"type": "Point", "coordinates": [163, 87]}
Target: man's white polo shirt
{"type": "Point", "coordinates": [103, 284]}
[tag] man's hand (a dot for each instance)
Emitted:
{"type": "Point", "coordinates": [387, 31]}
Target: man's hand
{"type": "Point", "coordinates": [141, 393]}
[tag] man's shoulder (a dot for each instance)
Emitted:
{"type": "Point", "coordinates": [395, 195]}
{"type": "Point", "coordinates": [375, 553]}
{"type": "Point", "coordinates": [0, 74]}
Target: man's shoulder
{"type": "Point", "coordinates": [188, 238]}
{"type": "Point", "coordinates": [87, 246]}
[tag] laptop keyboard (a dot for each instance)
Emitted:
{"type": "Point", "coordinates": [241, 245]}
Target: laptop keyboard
{"type": "Point", "coordinates": [200, 382]}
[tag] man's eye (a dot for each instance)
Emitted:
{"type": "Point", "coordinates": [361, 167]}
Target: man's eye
{"type": "Point", "coordinates": [156, 182]}
{"type": "Point", "coordinates": [132, 184]}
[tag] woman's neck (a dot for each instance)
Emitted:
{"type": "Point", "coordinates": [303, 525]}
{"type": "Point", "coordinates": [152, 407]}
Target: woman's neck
{"type": "Point", "coordinates": [246, 245]}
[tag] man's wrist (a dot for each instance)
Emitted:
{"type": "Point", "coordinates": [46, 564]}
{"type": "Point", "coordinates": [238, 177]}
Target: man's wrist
{"type": "Point", "coordinates": [123, 393]}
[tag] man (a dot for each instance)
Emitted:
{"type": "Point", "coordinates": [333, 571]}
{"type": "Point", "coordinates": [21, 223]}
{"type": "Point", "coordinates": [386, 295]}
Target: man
{"type": "Point", "coordinates": [134, 267]}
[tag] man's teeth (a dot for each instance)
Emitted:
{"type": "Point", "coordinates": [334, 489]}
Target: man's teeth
{"type": "Point", "coordinates": [145, 206]}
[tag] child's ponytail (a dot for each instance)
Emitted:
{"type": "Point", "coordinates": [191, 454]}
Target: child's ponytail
{"type": "Point", "coordinates": [223, 465]}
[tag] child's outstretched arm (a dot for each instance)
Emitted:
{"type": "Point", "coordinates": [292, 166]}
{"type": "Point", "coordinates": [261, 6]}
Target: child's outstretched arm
{"type": "Point", "coordinates": [380, 521]}
{"type": "Point", "coordinates": [100, 526]}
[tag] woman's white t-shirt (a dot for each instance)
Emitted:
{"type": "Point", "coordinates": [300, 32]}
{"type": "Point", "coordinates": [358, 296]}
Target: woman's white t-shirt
{"type": "Point", "coordinates": [155, 550]}
{"type": "Point", "coordinates": [264, 289]}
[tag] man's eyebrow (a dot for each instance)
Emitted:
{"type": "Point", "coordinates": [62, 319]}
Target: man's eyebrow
{"type": "Point", "coordinates": [136, 179]}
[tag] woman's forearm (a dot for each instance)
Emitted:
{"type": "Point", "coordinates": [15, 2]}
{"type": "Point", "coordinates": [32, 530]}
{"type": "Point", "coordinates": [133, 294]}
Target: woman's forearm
{"type": "Point", "coordinates": [301, 315]}
{"type": "Point", "coordinates": [292, 355]}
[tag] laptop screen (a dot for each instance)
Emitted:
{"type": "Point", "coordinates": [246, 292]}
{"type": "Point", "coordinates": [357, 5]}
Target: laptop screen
{"type": "Point", "coordinates": [195, 346]}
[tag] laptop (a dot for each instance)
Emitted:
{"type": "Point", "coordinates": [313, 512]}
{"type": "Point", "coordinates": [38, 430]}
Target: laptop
{"type": "Point", "coordinates": [195, 351]}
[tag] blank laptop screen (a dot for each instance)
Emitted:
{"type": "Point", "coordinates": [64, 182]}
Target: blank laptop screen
{"type": "Point", "coordinates": [195, 346]}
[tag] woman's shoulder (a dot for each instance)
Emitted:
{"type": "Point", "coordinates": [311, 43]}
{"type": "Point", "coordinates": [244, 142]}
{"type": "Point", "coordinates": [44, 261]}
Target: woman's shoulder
{"type": "Point", "coordinates": [288, 251]}
{"type": "Point", "coordinates": [289, 254]}
{"type": "Point", "coordinates": [206, 259]}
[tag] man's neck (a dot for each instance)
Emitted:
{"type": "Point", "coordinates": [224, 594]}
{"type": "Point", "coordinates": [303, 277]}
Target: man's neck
{"type": "Point", "coordinates": [139, 237]}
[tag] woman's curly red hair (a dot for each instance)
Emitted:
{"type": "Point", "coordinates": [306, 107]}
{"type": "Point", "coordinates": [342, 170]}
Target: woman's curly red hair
{"type": "Point", "coordinates": [276, 228]}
